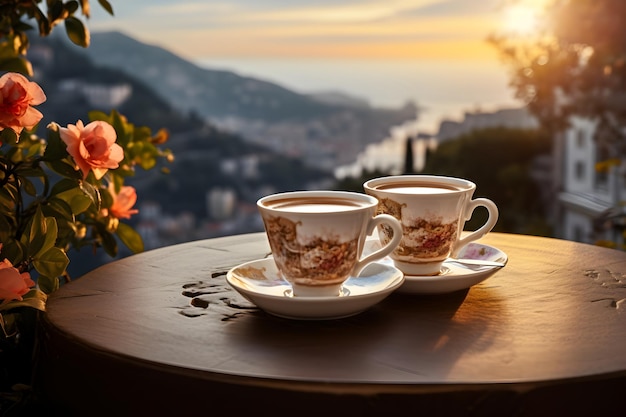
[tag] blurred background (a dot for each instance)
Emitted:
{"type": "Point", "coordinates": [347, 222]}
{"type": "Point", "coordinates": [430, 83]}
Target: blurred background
{"type": "Point", "coordinates": [525, 98]}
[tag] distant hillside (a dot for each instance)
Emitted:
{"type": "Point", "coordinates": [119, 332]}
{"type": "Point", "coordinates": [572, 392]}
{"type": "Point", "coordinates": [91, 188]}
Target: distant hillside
{"type": "Point", "coordinates": [192, 88]}
{"type": "Point", "coordinates": [199, 148]}
{"type": "Point", "coordinates": [62, 71]}
{"type": "Point", "coordinates": [340, 99]}
{"type": "Point", "coordinates": [323, 133]}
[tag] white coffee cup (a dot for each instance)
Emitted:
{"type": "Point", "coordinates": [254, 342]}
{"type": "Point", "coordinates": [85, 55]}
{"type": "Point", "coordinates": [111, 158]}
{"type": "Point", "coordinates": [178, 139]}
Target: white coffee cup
{"type": "Point", "coordinates": [317, 237]}
{"type": "Point", "coordinates": [433, 211]}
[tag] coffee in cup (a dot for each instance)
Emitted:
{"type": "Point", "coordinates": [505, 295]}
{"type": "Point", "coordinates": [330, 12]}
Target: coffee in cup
{"type": "Point", "coordinates": [317, 237]}
{"type": "Point", "coordinates": [433, 211]}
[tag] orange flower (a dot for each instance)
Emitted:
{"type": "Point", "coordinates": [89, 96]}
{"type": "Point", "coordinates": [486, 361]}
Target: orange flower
{"type": "Point", "coordinates": [17, 95]}
{"type": "Point", "coordinates": [93, 147]}
{"type": "Point", "coordinates": [122, 207]}
{"type": "Point", "coordinates": [13, 284]}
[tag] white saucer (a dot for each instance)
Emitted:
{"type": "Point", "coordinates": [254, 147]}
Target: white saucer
{"type": "Point", "coordinates": [453, 276]}
{"type": "Point", "coordinates": [260, 282]}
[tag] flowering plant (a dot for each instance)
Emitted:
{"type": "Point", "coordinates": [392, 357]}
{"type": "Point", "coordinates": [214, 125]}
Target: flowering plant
{"type": "Point", "coordinates": [66, 191]}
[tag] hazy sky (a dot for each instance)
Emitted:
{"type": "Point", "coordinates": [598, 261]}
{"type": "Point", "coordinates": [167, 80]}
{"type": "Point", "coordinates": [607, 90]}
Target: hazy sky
{"type": "Point", "coordinates": [413, 29]}
{"type": "Point", "coordinates": [388, 51]}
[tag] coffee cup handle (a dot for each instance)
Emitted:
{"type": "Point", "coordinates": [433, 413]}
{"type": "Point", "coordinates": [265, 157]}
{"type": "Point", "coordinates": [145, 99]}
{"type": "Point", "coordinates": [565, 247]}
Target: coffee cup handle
{"type": "Point", "coordinates": [385, 250]}
{"type": "Point", "coordinates": [482, 231]}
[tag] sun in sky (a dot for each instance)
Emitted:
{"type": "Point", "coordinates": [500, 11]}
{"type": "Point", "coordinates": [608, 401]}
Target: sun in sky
{"type": "Point", "coordinates": [522, 18]}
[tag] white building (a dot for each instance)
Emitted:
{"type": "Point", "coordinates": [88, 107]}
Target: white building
{"type": "Point", "coordinates": [592, 188]}
{"type": "Point", "coordinates": [221, 203]}
{"type": "Point", "coordinates": [100, 96]}
{"type": "Point", "coordinates": [107, 96]}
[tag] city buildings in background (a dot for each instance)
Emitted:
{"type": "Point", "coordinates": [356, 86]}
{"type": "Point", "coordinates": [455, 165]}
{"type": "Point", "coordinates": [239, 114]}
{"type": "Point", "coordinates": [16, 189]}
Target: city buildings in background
{"type": "Point", "coordinates": [227, 214]}
{"type": "Point", "coordinates": [582, 192]}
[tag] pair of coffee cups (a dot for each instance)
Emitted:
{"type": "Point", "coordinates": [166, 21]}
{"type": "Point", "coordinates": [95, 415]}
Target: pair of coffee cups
{"type": "Point", "coordinates": [317, 238]}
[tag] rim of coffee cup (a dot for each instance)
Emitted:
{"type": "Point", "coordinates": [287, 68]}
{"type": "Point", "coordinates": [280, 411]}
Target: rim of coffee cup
{"type": "Point", "coordinates": [366, 200]}
{"type": "Point", "coordinates": [463, 184]}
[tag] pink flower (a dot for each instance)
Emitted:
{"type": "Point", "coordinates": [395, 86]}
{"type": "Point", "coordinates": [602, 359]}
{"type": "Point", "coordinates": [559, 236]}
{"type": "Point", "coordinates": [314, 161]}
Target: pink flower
{"type": "Point", "coordinates": [17, 95]}
{"type": "Point", "coordinates": [123, 202]}
{"type": "Point", "coordinates": [93, 147]}
{"type": "Point", "coordinates": [13, 284]}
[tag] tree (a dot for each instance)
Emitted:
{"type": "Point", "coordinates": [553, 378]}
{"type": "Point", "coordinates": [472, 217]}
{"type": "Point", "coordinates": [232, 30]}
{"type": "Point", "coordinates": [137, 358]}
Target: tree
{"type": "Point", "coordinates": [498, 160]}
{"type": "Point", "coordinates": [574, 65]}
{"type": "Point", "coordinates": [15, 19]}
{"type": "Point", "coordinates": [408, 156]}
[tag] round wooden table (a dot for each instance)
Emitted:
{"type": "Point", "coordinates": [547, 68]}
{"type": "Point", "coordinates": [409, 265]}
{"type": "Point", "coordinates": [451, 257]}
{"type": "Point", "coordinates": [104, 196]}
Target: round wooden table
{"type": "Point", "coordinates": [162, 333]}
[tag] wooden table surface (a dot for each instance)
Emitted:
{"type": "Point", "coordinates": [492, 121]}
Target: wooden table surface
{"type": "Point", "coordinates": [162, 332]}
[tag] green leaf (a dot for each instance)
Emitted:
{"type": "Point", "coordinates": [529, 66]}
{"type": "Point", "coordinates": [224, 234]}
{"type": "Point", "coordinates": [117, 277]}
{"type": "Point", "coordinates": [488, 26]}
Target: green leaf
{"type": "Point", "coordinates": [107, 239]}
{"type": "Point", "coordinates": [72, 6]}
{"type": "Point", "coordinates": [130, 238]}
{"type": "Point", "coordinates": [148, 160]}
{"type": "Point", "coordinates": [84, 5]}
{"type": "Point", "coordinates": [17, 64]}
{"type": "Point", "coordinates": [5, 229]}
{"type": "Point", "coordinates": [77, 32]}
{"type": "Point", "coordinates": [48, 284]}
{"type": "Point", "coordinates": [9, 195]}
{"type": "Point", "coordinates": [56, 10]}
{"type": "Point", "coordinates": [95, 115]}
{"type": "Point", "coordinates": [29, 187]}
{"type": "Point", "coordinates": [52, 263]}
{"type": "Point", "coordinates": [7, 135]}
{"type": "Point", "coordinates": [106, 6]}
{"type": "Point", "coordinates": [34, 299]}
{"type": "Point", "coordinates": [9, 47]}
{"type": "Point", "coordinates": [13, 250]}
{"type": "Point", "coordinates": [50, 235]}
{"type": "Point", "coordinates": [143, 134]}
{"type": "Point", "coordinates": [35, 148]}
{"type": "Point", "coordinates": [107, 199]}
{"type": "Point", "coordinates": [93, 193]}
{"type": "Point", "coordinates": [37, 233]}
{"type": "Point", "coordinates": [14, 154]}
{"type": "Point", "coordinates": [55, 148]}
{"type": "Point", "coordinates": [42, 22]}
{"type": "Point", "coordinates": [58, 209]}
{"type": "Point", "coordinates": [62, 213]}
{"type": "Point", "coordinates": [143, 153]}
{"type": "Point", "coordinates": [31, 171]}
{"type": "Point", "coordinates": [64, 185]}
{"type": "Point", "coordinates": [77, 199]}
{"type": "Point", "coordinates": [122, 128]}
{"type": "Point", "coordinates": [65, 169]}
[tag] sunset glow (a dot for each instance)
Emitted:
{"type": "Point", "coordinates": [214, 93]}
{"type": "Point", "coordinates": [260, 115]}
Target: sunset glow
{"type": "Point", "coordinates": [432, 52]}
{"type": "Point", "coordinates": [377, 29]}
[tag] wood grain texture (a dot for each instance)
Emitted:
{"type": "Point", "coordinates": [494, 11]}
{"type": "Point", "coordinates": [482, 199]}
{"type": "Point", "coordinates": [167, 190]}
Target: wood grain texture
{"type": "Point", "coordinates": [543, 336]}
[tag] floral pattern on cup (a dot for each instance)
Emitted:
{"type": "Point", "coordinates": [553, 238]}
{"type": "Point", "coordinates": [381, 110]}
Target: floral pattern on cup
{"type": "Point", "coordinates": [388, 206]}
{"type": "Point", "coordinates": [427, 239]}
{"type": "Point", "coordinates": [422, 238]}
{"type": "Point", "coordinates": [319, 259]}
{"type": "Point", "coordinates": [433, 211]}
